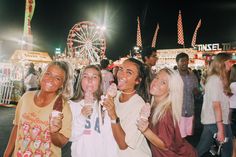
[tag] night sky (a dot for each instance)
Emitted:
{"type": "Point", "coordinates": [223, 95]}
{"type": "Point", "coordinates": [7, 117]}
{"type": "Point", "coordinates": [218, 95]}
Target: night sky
{"type": "Point", "coordinates": [53, 19]}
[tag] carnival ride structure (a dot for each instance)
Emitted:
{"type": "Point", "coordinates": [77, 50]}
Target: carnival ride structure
{"type": "Point", "coordinates": [86, 41]}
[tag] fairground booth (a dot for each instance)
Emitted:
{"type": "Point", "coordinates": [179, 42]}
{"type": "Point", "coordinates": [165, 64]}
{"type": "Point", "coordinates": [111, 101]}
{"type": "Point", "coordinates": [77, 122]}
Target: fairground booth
{"type": "Point", "coordinates": [199, 56]}
{"type": "Point", "coordinates": [12, 73]}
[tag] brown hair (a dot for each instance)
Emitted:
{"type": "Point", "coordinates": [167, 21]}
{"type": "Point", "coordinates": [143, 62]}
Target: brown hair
{"type": "Point", "coordinates": [79, 93]}
{"type": "Point", "coordinates": [217, 67]}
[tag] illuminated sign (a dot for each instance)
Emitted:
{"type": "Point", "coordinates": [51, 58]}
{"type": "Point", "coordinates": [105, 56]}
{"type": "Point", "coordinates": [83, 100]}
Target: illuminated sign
{"type": "Point", "coordinates": [57, 51]}
{"type": "Point", "coordinates": [208, 47]}
{"type": "Point", "coordinates": [214, 47]}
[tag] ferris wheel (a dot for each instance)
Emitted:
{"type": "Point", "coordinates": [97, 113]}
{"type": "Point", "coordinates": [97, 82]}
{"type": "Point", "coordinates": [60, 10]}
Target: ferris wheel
{"type": "Point", "coordinates": [86, 40]}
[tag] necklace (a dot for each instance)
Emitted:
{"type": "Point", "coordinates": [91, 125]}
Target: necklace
{"type": "Point", "coordinates": [128, 93]}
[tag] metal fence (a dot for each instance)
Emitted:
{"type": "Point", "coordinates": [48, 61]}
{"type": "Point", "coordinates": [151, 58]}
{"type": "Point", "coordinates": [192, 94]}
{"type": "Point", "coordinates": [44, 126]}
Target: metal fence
{"type": "Point", "coordinates": [6, 87]}
{"type": "Point", "coordinates": [9, 73]}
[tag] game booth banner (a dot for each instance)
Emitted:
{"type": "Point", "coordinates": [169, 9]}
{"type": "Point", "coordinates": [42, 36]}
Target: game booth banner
{"type": "Point", "coordinates": [30, 56]}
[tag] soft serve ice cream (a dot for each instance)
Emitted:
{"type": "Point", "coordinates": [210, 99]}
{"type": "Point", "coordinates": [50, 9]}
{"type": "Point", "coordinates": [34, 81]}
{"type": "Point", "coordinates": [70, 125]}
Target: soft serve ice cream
{"type": "Point", "coordinates": [145, 111]}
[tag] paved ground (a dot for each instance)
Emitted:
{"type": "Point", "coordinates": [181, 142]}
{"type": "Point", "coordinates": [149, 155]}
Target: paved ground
{"type": "Point", "coordinates": [6, 118]}
{"type": "Point", "coordinates": [7, 115]}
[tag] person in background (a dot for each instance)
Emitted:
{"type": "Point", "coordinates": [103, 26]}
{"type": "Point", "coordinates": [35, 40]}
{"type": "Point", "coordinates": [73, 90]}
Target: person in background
{"type": "Point", "coordinates": [232, 99]}
{"type": "Point", "coordinates": [163, 133]}
{"type": "Point", "coordinates": [190, 89]}
{"type": "Point", "coordinates": [39, 71]}
{"type": "Point", "coordinates": [215, 108]}
{"type": "Point", "coordinates": [232, 105]}
{"type": "Point", "coordinates": [35, 131]}
{"type": "Point", "coordinates": [149, 57]}
{"type": "Point", "coordinates": [76, 78]}
{"type": "Point", "coordinates": [133, 84]}
{"type": "Point", "coordinates": [30, 70]}
{"type": "Point", "coordinates": [31, 81]}
{"type": "Point", "coordinates": [107, 76]}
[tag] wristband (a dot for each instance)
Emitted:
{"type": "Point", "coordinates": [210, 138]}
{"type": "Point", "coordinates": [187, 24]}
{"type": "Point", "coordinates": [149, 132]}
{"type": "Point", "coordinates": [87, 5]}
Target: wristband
{"type": "Point", "coordinates": [144, 130]}
{"type": "Point", "coordinates": [115, 121]}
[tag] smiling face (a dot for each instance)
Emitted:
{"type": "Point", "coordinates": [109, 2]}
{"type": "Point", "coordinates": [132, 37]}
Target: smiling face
{"type": "Point", "coordinates": [160, 85]}
{"type": "Point", "coordinates": [127, 76]}
{"type": "Point", "coordinates": [90, 80]}
{"type": "Point", "coordinates": [53, 79]}
{"type": "Point", "coordinates": [183, 64]}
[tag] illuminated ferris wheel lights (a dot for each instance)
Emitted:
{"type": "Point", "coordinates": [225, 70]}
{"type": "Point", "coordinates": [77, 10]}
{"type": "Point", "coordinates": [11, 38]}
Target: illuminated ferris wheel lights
{"type": "Point", "coordinates": [87, 41]}
{"type": "Point", "coordinates": [102, 28]}
{"type": "Point", "coordinates": [77, 29]}
{"type": "Point", "coordinates": [73, 35]}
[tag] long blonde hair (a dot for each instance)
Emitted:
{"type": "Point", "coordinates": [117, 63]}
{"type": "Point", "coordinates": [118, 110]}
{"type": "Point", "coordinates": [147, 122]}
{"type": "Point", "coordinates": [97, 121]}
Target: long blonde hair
{"type": "Point", "coordinates": [174, 100]}
{"type": "Point", "coordinates": [217, 67]}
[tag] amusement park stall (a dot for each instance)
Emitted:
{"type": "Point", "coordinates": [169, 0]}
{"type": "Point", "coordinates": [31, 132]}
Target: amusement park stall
{"type": "Point", "coordinates": [198, 59]}
{"type": "Point", "coordinates": [166, 58]}
{"type": "Point", "coordinates": [12, 73]}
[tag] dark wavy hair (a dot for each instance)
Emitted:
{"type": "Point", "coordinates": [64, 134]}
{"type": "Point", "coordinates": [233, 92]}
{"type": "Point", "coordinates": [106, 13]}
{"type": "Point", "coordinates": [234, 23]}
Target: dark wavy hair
{"type": "Point", "coordinates": [147, 52]}
{"type": "Point", "coordinates": [181, 55]}
{"type": "Point", "coordinates": [145, 75]}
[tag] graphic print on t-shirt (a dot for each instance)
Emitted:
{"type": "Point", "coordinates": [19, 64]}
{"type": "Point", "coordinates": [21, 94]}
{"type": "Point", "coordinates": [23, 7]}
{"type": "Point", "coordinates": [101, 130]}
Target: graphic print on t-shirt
{"type": "Point", "coordinates": [88, 126]}
{"type": "Point", "coordinates": [34, 136]}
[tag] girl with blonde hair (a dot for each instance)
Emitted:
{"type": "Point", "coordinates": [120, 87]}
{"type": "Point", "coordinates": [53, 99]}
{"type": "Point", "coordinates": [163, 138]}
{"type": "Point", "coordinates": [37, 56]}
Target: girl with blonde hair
{"type": "Point", "coordinates": [35, 132]}
{"type": "Point", "coordinates": [166, 108]}
{"type": "Point", "coordinates": [215, 108]}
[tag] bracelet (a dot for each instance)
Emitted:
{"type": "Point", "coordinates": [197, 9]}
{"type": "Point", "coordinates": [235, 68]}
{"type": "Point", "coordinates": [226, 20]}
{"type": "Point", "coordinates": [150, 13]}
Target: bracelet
{"type": "Point", "coordinates": [144, 130]}
{"type": "Point", "coordinates": [220, 121]}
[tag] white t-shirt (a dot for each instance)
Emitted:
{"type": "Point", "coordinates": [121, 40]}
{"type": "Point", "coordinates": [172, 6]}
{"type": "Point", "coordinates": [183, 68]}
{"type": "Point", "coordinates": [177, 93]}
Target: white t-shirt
{"type": "Point", "coordinates": [88, 138]}
{"type": "Point", "coordinates": [214, 92]}
{"type": "Point", "coordinates": [128, 112]}
{"type": "Point", "coordinates": [232, 99]}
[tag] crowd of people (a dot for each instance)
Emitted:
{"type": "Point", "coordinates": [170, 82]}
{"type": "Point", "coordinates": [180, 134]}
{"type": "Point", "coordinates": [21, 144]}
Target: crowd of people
{"type": "Point", "coordinates": [132, 111]}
